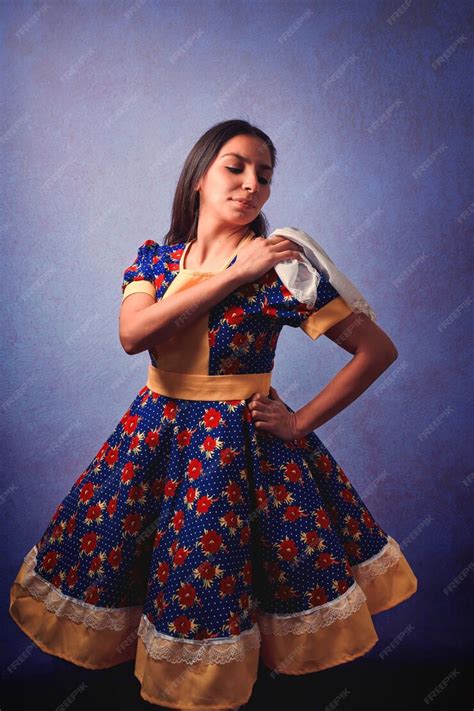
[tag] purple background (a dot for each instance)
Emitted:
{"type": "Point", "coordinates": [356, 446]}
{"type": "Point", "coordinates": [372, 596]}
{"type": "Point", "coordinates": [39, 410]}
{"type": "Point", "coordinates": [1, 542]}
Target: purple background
{"type": "Point", "coordinates": [369, 112]}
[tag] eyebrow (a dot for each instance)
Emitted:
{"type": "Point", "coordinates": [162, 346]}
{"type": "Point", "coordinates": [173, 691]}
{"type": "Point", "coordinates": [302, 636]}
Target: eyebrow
{"type": "Point", "coordinates": [246, 160]}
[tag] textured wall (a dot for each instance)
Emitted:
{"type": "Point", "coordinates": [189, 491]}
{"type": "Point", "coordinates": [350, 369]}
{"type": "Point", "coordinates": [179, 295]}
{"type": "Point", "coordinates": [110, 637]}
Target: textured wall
{"type": "Point", "coordinates": [367, 104]}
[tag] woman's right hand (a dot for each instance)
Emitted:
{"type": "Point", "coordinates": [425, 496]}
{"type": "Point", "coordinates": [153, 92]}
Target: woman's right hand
{"type": "Point", "coordinates": [260, 254]}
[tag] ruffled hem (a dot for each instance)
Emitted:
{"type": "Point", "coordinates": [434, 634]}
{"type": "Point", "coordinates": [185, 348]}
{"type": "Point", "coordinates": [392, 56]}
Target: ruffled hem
{"type": "Point", "coordinates": [215, 673]}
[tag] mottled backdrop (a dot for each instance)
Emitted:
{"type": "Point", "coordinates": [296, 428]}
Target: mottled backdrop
{"type": "Point", "coordinates": [368, 105]}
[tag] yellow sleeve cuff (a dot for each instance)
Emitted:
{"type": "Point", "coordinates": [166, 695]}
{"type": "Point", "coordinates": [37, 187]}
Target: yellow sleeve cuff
{"type": "Point", "coordinates": [141, 286]}
{"type": "Point", "coordinates": [325, 317]}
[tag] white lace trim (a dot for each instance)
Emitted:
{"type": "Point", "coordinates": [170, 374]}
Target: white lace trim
{"type": "Point", "coordinates": [378, 563]}
{"type": "Point", "coordinates": [99, 618]}
{"type": "Point", "coordinates": [310, 621]}
{"type": "Point", "coordinates": [210, 651]}
{"type": "Point", "coordinates": [361, 306]}
{"type": "Point", "coordinates": [191, 651]}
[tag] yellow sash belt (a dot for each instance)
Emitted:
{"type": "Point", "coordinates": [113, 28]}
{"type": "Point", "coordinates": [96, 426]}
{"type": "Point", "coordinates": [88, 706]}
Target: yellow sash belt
{"type": "Point", "coordinates": [190, 386]}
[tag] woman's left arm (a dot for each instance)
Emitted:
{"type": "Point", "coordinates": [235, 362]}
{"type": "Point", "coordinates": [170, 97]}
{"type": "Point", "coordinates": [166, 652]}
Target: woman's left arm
{"type": "Point", "coordinates": [373, 352]}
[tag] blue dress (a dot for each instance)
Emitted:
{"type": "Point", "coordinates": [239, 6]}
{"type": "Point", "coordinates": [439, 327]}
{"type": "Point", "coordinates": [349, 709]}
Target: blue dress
{"type": "Point", "coordinates": [194, 543]}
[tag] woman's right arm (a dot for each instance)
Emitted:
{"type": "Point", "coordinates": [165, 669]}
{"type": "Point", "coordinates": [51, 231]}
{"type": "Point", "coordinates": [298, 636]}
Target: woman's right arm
{"type": "Point", "coordinates": [143, 322]}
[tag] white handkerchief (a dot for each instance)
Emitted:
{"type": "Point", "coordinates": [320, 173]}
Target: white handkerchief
{"type": "Point", "coordinates": [301, 278]}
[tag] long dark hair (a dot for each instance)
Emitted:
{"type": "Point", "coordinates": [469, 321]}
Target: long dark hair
{"type": "Point", "coordinates": [185, 213]}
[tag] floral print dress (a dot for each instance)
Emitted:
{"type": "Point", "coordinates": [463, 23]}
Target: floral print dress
{"type": "Point", "coordinates": [195, 543]}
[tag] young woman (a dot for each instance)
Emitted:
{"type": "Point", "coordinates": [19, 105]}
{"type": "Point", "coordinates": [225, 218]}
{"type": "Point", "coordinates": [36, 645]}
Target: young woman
{"type": "Point", "coordinates": [213, 526]}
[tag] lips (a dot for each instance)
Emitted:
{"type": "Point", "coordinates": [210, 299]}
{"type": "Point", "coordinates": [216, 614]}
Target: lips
{"type": "Point", "coordinates": [244, 202]}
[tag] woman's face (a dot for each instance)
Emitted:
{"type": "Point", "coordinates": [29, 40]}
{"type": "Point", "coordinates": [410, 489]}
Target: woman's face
{"type": "Point", "coordinates": [230, 178]}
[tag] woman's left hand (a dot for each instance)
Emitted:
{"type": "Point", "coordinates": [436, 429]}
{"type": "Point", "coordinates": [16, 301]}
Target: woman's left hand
{"type": "Point", "coordinates": [272, 415]}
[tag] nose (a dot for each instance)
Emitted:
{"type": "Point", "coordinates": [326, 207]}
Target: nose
{"type": "Point", "coordinates": [251, 183]}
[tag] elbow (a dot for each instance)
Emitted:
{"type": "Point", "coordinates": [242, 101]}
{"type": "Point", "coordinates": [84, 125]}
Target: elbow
{"type": "Point", "coordinates": [128, 345]}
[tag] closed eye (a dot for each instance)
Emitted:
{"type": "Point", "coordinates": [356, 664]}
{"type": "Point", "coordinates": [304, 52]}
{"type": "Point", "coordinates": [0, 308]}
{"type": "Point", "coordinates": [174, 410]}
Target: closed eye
{"type": "Point", "coordinates": [239, 170]}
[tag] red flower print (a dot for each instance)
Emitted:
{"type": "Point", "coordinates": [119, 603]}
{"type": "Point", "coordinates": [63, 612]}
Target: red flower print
{"type": "Point", "coordinates": [57, 533]}
{"type": "Point", "coordinates": [160, 604]}
{"type": "Point", "coordinates": [244, 601]}
{"type": "Point", "coordinates": [50, 561]}
{"type": "Point", "coordinates": [170, 411]}
{"type": "Point", "coordinates": [137, 494]}
{"type": "Point", "coordinates": [71, 524]}
{"type": "Point", "coordinates": [261, 498]}
{"type": "Point", "coordinates": [347, 496]}
{"type": "Point", "coordinates": [178, 521]}
{"type": "Point", "coordinates": [184, 438]}
{"type": "Point", "coordinates": [72, 576]}
{"type": "Point", "coordinates": [240, 342]}
{"type": "Point", "coordinates": [322, 519]}
{"type": "Point", "coordinates": [210, 445]}
{"type": "Point", "coordinates": [227, 456]}
{"type": "Point", "coordinates": [135, 443]}
{"type": "Point", "coordinates": [162, 572]}
{"type": "Point", "coordinates": [280, 494]}
{"type": "Point", "coordinates": [57, 579]}
{"type": "Point", "coordinates": [312, 540]}
{"type": "Point", "coordinates": [317, 596]}
{"type": "Point", "coordinates": [94, 513]}
{"type": "Point", "coordinates": [190, 496]}
{"type": "Point", "coordinates": [352, 526]}
{"type": "Point", "coordinates": [293, 513]}
{"type": "Point", "coordinates": [341, 475]}
{"type": "Point", "coordinates": [212, 418]}
{"type": "Point", "coordinates": [89, 542]}
{"type": "Point", "coordinates": [182, 625]}
{"type": "Point", "coordinates": [266, 467]}
{"type": "Point", "coordinates": [130, 423]}
{"type": "Point", "coordinates": [227, 586]}
{"type": "Point", "coordinates": [100, 454]}
{"type": "Point", "coordinates": [268, 310]}
{"type": "Point", "coordinates": [212, 337]}
{"type": "Point", "coordinates": [157, 488]}
{"type": "Point", "coordinates": [96, 565]}
{"type": "Point", "coordinates": [234, 315]}
{"type": "Point", "coordinates": [207, 572]}
{"type": "Point", "coordinates": [132, 523]}
{"type": "Point", "coordinates": [260, 342]}
{"type": "Point", "coordinates": [368, 520]}
{"type": "Point", "coordinates": [233, 624]}
{"type": "Point", "coordinates": [128, 472]}
{"type": "Point", "coordinates": [91, 595]}
{"type": "Point", "coordinates": [273, 570]}
{"type": "Point", "coordinates": [170, 488]}
{"type": "Point", "coordinates": [247, 572]}
{"type": "Point", "coordinates": [112, 505]}
{"type": "Point", "coordinates": [87, 492]}
{"type": "Point", "coordinates": [340, 586]}
{"type": "Point", "coordinates": [287, 549]}
{"type": "Point", "coordinates": [152, 439]}
{"type": "Point", "coordinates": [245, 535]}
{"type": "Point", "coordinates": [325, 560]}
{"type": "Point", "coordinates": [181, 555]}
{"type": "Point", "coordinates": [186, 595]}
{"type": "Point", "coordinates": [352, 550]}
{"type": "Point", "coordinates": [230, 520]}
{"type": "Point", "coordinates": [82, 476]}
{"type": "Point", "coordinates": [112, 456]}
{"type": "Point", "coordinates": [194, 469]}
{"type": "Point", "coordinates": [204, 504]}
{"type": "Point", "coordinates": [115, 557]}
{"type": "Point", "coordinates": [229, 366]}
{"type": "Point", "coordinates": [323, 463]}
{"type": "Point", "coordinates": [233, 493]}
{"type": "Point", "coordinates": [292, 473]}
{"type": "Point", "coordinates": [211, 542]}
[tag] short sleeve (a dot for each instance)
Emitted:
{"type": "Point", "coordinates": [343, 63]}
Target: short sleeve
{"type": "Point", "coordinates": [329, 309]}
{"type": "Point", "coordinates": [140, 276]}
